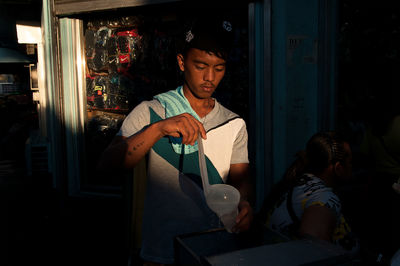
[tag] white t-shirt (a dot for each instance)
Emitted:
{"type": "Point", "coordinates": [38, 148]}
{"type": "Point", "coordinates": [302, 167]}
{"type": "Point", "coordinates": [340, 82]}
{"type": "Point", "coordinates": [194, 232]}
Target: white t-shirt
{"type": "Point", "coordinates": [174, 202]}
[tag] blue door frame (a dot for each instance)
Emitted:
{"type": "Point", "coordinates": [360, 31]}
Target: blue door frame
{"type": "Point", "coordinates": [292, 82]}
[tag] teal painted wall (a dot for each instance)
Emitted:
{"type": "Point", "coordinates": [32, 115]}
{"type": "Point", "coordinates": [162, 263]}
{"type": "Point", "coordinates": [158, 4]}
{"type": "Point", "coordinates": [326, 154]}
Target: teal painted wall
{"type": "Point", "coordinates": [299, 77]}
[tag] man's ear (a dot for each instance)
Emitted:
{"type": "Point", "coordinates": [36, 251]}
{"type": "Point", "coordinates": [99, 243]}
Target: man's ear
{"type": "Point", "coordinates": [181, 62]}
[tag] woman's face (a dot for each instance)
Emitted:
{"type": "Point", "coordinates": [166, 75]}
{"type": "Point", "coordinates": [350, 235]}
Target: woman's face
{"type": "Point", "coordinates": [347, 164]}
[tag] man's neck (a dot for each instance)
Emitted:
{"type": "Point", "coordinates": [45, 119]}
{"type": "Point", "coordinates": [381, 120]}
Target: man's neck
{"type": "Point", "coordinates": [201, 106]}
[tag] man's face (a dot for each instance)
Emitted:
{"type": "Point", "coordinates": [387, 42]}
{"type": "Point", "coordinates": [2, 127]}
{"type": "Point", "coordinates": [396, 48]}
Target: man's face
{"type": "Point", "coordinates": [203, 72]}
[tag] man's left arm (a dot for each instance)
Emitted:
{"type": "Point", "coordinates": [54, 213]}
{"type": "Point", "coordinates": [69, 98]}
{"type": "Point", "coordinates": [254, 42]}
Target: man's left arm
{"type": "Point", "coordinates": [240, 179]}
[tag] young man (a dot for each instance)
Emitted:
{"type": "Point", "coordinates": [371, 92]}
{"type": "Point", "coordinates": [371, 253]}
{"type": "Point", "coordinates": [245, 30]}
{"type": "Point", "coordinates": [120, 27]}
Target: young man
{"type": "Point", "coordinates": [166, 129]}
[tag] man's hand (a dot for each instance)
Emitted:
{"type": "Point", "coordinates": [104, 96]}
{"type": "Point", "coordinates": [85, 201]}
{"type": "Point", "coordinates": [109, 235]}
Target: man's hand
{"type": "Point", "coordinates": [183, 125]}
{"type": "Point", "coordinates": [244, 218]}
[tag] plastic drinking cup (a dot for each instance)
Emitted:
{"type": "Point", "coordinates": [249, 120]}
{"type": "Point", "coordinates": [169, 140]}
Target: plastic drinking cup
{"type": "Point", "coordinates": [224, 200]}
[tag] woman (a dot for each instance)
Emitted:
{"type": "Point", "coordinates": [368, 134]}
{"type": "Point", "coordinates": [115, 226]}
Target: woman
{"type": "Point", "coordinates": [307, 205]}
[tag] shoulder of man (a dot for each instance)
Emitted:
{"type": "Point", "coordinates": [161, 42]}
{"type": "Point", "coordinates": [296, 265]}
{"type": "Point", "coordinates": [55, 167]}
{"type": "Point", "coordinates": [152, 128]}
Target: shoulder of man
{"type": "Point", "coordinates": [145, 105]}
{"type": "Point", "coordinates": [228, 113]}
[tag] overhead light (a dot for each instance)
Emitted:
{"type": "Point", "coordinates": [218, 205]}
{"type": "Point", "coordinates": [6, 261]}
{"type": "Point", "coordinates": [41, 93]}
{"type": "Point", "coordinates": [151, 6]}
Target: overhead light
{"type": "Point", "coordinates": [28, 34]}
{"type": "Point", "coordinates": [8, 55]}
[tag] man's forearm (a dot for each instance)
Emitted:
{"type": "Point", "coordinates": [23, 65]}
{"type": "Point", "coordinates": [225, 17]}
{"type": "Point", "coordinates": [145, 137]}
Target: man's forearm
{"type": "Point", "coordinates": [139, 144]}
{"type": "Point", "coordinates": [239, 178]}
{"type": "Point", "coordinates": [126, 152]}
{"type": "Point", "coordinates": [246, 191]}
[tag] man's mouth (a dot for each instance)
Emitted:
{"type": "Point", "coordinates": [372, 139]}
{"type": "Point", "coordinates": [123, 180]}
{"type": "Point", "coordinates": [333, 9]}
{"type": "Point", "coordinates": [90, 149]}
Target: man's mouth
{"type": "Point", "coordinates": [207, 87]}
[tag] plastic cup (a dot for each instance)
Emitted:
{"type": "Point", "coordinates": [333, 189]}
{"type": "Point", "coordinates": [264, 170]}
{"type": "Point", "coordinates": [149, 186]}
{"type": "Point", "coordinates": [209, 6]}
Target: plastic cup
{"type": "Point", "coordinates": [224, 200]}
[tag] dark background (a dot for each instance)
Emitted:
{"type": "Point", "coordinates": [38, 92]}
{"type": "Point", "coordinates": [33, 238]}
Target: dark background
{"type": "Point", "coordinates": [368, 54]}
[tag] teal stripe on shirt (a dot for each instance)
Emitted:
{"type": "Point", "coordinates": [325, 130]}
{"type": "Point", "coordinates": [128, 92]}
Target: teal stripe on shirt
{"type": "Point", "coordinates": [190, 162]}
{"type": "Point", "coordinates": [175, 103]}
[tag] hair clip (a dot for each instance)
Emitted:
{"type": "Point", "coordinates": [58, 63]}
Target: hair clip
{"type": "Point", "coordinates": [189, 36]}
{"type": "Point", "coordinates": [227, 25]}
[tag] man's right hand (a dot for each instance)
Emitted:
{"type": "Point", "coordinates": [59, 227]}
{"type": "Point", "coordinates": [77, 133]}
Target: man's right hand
{"type": "Point", "coordinates": [183, 125]}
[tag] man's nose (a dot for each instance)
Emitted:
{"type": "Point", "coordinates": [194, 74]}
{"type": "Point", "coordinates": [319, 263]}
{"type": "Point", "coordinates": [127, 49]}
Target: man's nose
{"type": "Point", "coordinates": [209, 74]}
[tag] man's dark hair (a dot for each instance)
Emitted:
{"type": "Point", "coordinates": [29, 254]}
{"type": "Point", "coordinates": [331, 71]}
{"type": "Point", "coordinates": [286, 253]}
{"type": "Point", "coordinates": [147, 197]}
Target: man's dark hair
{"type": "Point", "coordinates": [214, 35]}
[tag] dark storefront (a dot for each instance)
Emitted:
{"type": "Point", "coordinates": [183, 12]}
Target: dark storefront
{"type": "Point", "coordinates": [297, 67]}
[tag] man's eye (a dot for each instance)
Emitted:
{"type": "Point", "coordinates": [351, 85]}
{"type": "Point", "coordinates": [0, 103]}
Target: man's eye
{"type": "Point", "coordinates": [220, 69]}
{"type": "Point", "coordinates": [200, 67]}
